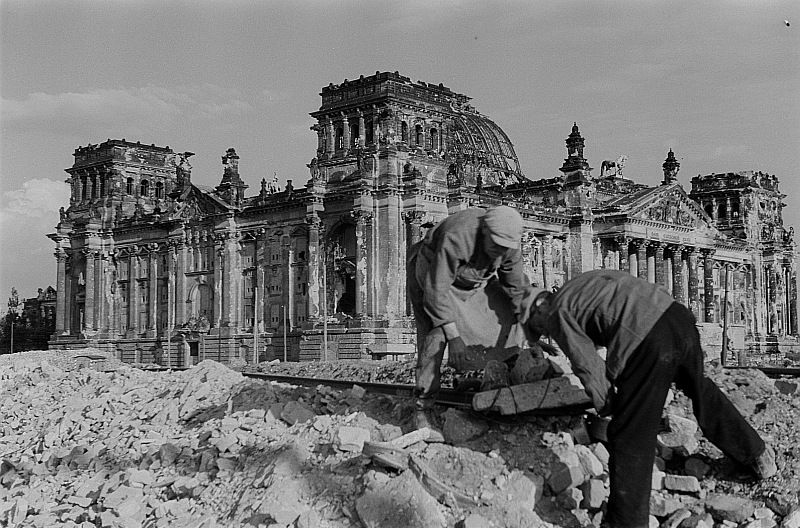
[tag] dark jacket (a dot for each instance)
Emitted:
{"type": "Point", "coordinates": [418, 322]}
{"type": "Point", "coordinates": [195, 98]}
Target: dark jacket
{"type": "Point", "coordinates": [604, 308]}
{"type": "Point", "coordinates": [456, 264]}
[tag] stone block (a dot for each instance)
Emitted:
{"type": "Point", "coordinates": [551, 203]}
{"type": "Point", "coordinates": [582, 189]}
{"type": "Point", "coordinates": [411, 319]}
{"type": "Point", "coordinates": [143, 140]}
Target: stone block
{"type": "Point", "coordinates": [786, 386]}
{"type": "Point", "coordinates": [524, 489]}
{"type": "Point", "coordinates": [792, 519]}
{"type": "Point", "coordinates": [601, 453]}
{"type": "Point", "coordinates": [657, 479]}
{"type": "Point", "coordinates": [675, 520]}
{"type": "Point", "coordinates": [296, 412]}
{"type": "Point", "coordinates": [662, 505]}
{"type": "Point", "coordinates": [226, 464]}
{"type": "Point", "coordinates": [729, 507]}
{"type": "Point", "coordinates": [589, 462]}
{"type": "Point", "coordinates": [460, 427]}
{"type": "Point", "coordinates": [474, 520]}
{"type": "Point", "coordinates": [351, 438]}
{"type": "Point", "coordinates": [696, 468]}
{"type": "Point", "coordinates": [595, 494]}
{"type": "Point", "coordinates": [678, 443]}
{"type": "Point", "coordinates": [358, 392]}
{"type": "Point", "coordinates": [564, 476]}
{"type": "Point", "coordinates": [570, 499]}
{"type": "Point", "coordinates": [399, 503]}
{"type": "Point", "coordinates": [168, 453]}
{"type": "Point", "coordinates": [682, 483]}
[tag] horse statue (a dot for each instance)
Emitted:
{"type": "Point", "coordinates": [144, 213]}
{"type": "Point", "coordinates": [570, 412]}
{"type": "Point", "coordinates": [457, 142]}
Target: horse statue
{"type": "Point", "coordinates": [616, 165]}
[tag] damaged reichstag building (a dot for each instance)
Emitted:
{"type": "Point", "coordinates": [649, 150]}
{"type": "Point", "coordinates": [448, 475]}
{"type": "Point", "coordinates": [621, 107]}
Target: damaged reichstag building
{"type": "Point", "coordinates": [155, 268]}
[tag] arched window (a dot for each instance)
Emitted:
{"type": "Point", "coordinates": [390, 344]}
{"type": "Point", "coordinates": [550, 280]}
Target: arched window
{"type": "Point", "coordinates": [129, 186]}
{"type": "Point", "coordinates": [710, 209]}
{"type": "Point", "coordinates": [722, 210]}
{"type": "Point", "coordinates": [404, 132]}
{"type": "Point", "coordinates": [144, 188]}
{"type": "Point", "coordinates": [95, 188]}
{"type": "Point", "coordinates": [83, 188]}
{"type": "Point", "coordinates": [418, 135]}
{"type": "Point", "coordinates": [353, 134]}
{"type": "Point", "coordinates": [434, 140]}
{"type": "Point", "coordinates": [159, 190]}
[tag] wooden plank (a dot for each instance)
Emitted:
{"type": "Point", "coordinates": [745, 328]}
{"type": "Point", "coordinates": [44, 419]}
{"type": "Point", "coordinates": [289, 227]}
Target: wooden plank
{"type": "Point", "coordinates": [553, 393]}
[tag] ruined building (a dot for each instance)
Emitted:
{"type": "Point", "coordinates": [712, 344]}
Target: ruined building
{"type": "Point", "coordinates": [158, 268]}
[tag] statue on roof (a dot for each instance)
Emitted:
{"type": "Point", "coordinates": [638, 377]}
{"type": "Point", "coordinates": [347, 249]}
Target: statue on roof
{"type": "Point", "coordinates": [616, 165]}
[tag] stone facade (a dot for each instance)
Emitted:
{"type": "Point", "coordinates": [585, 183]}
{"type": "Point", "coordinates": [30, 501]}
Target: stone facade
{"type": "Point", "coordinates": [157, 268]}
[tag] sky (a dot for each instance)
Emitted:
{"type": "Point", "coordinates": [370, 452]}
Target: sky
{"type": "Point", "coordinates": [716, 81]}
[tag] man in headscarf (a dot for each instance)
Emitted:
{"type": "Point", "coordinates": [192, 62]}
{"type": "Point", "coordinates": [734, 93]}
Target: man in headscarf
{"type": "Point", "coordinates": [457, 258]}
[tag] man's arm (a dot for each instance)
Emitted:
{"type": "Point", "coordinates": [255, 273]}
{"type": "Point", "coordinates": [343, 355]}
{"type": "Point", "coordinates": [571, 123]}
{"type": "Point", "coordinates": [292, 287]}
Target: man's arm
{"type": "Point", "coordinates": [513, 281]}
{"type": "Point", "coordinates": [437, 284]}
{"type": "Point", "coordinates": [586, 362]}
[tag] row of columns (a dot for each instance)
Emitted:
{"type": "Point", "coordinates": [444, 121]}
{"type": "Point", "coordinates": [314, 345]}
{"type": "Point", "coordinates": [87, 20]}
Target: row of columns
{"type": "Point", "coordinates": [673, 272]}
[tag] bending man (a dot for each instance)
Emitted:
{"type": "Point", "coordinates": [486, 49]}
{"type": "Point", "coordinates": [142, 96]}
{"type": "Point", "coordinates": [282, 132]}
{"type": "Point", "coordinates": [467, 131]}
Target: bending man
{"type": "Point", "coordinates": [456, 258]}
{"type": "Point", "coordinates": [651, 342]}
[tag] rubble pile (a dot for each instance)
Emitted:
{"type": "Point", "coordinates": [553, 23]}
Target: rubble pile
{"type": "Point", "coordinates": [208, 447]}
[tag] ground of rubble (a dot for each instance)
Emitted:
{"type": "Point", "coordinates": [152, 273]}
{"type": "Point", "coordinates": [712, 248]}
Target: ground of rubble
{"type": "Point", "coordinates": [110, 445]}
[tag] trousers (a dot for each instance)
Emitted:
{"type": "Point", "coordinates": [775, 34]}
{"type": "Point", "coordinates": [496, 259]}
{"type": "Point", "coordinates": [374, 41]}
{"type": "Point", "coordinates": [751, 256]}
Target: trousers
{"type": "Point", "coordinates": [669, 353]}
{"type": "Point", "coordinates": [431, 342]}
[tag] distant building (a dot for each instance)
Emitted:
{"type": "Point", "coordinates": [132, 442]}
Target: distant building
{"type": "Point", "coordinates": [157, 268]}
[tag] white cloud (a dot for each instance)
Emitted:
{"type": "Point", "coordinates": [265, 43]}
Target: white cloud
{"type": "Point", "coordinates": [145, 108]}
{"type": "Point", "coordinates": [36, 199]}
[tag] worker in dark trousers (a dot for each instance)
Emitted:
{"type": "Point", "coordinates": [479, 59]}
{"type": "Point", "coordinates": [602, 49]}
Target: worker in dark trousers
{"type": "Point", "coordinates": [651, 342]}
{"type": "Point", "coordinates": [457, 257]}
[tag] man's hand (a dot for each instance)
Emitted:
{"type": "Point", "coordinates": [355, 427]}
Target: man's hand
{"type": "Point", "coordinates": [457, 352]}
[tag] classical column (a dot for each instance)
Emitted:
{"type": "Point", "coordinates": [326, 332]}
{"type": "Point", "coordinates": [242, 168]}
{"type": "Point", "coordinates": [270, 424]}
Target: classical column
{"type": "Point", "coordinates": [315, 250]}
{"type": "Point", "coordinates": [133, 293]}
{"type": "Point", "coordinates": [694, 283]}
{"type": "Point", "coordinates": [181, 252]}
{"type": "Point", "coordinates": [547, 260]}
{"type": "Point", "coordinates": [641, 258]}
{"type": "Point", "coordinates": [345, 133]}
{"type": "Point", "coordinates": [260, 306]}
{"type": "Point", "coordinates": [62, 319]}
{"type": "Point", "coordinates": [413, 235]}
{"type": "Point", "coordinates": [361, 131]}
{"type": "Point", "coordinates": [290, 278]}
{"type": "Point", "coordinates": [624, 257]}
{"type": "Point", "coordinates": [363, 227]}
{"type": "Point", "coordinates": [218, 253]}
{"type": "Point", "coordinates": [708, 285]}
{"type": "Point", "coordinates": [152, 308]}
{"type": "Point", "coordinates": [678, 292]}
{"type": "Point", "coordinates": [89, 322]}
{"type": "Point", "coordinates": [330, 138]}
{"type": "Point", "coordinates": [661, 275]}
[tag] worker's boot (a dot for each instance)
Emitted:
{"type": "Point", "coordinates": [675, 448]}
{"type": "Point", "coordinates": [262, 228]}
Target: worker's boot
{"type": "Point", "coordinates": [424, 417]}
{"type": "Point", "coordinates": [764, 466]}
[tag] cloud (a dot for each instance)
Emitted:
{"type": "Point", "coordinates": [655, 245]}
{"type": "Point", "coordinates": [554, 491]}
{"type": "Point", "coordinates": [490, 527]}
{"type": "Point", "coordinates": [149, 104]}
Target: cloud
{"type": "Point", "coordinates": [145, 108]}
{"type": "Point", "coordinates": [35, 199]}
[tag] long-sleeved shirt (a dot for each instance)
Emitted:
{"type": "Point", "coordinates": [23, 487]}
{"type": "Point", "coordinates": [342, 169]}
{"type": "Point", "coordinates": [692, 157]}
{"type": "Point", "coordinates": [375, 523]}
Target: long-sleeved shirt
{"type": "Point", "coordinates": [604, 308]}
{"type": "Point", "coordinates": [457, 261]}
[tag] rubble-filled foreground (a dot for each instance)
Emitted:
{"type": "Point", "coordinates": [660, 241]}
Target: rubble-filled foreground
{"type": "Point", "coordinates": [208, 447]}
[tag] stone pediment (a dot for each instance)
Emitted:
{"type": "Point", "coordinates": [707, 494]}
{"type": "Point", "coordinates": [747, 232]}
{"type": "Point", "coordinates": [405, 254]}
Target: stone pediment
{"type": "Point", "coordinates": [195, 203]}
{"type": "Point", "coordinates": [670, 206]}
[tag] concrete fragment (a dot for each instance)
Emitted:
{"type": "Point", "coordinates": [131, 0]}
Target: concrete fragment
{"type": "Point", "coordinates": [351, 438]}
{"type": "Point", "coordinates": [657, 479]}
{"type": "Point", "coordinates": [139, 478]}
{"type": "Point", "coordinates": [729, 507]}
{"type": "Point", "coordinates": [565, 476]}
{"type": "Point", "coordinates": [682, 483]}
{"type": "Point", "coordinates": [168, 453]}
{"type": "Point", "coordinates": [399, 503]}
{"type": "Point", "coordinates": [595, 494]}
{"type": "Point", "coordinates": [474, 520]}
{"type": "Point", "coordinates": [546, 394]}
{"type": "Point", "coordinates": [601, 453]}
{"type": "Point", "coordinates": [529, 367]}
{"type": "Point", "coordinates": [296, 412]}
{"type": "Point", "coordinates": [677, 518]}
{"type": "Point", "coordinates": [792, 519]}
{"type": "Point", "coordinates": [460, 427]}
{"type": "Point", "coordinates": [358, 392]}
